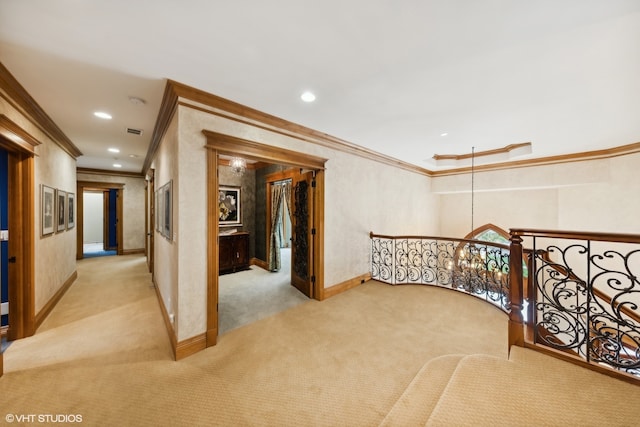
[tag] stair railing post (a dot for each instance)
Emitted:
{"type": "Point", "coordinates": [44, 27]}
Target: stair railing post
{"type": "Point", "coordinates": [516, 287]}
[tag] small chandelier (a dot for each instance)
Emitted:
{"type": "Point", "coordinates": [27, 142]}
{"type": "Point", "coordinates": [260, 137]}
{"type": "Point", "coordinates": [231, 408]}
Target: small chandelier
{"type": "Point", "coordinates": [238, 165]}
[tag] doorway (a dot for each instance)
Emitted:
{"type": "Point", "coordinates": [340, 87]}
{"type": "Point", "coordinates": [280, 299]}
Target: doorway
{"type": "Point", "coordinates": [102, 221]}
{"type": "Point", "coordinates": [99, 235]}
{"type": "Point", "coordinates": [220, 144]}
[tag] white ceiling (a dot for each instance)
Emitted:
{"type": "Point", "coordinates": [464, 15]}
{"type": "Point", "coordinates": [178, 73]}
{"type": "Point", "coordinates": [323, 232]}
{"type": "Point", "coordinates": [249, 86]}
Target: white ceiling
{"type": "Point", "coordinates": [389, 75]}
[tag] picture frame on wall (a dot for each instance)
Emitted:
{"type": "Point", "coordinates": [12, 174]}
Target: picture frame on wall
{"type": "Point", "coordinates": [47, 208]}
{"type": "Point", "coordinates": [167, 210]}
{"type": "Point", "coordinates": [71, 210]}
{"type": "Point", "coordinates": [229, 209]}
{"type": "Point", "coordinates": [61, 205]}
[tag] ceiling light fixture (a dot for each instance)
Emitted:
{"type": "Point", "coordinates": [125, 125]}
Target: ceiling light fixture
{"type": "Point", "coordinates": [117, 165]}
{"type": "Point", "coordinates": [308, 96]}
{"type": "Point", "coordinates": [137, 101]}
{"type": "Point", "coordinates": [114, 150]}
{"type": "Point", "coordinates": [238, 165]}
{"type": "Point", "coordinates": [102, 115]}
{"type": "Point", "coordinates": [444, 134]}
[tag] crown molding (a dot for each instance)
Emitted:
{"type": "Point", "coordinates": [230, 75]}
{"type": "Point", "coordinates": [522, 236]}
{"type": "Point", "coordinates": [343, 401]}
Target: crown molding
{"type": "Point", "coordinates": [14, 133]}
{"type": "Point", "coordinates": [89, 171]}
{"type": "Point", "coordinates": [177, 94]}
{"type": "Point", "coordinates": [20, 99]}
{"type": "Point", "coordinates": [622, 150]}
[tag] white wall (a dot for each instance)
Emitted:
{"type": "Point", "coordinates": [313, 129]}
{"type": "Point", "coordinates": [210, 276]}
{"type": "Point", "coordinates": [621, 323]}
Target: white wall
{"type": "Point", "coordinates": [595, 195]}
{"type": "Point", "coordinates": [93, 217]}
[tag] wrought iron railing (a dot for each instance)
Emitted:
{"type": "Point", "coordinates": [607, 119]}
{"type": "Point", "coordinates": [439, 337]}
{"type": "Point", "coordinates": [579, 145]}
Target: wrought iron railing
{"type": "Point", "coordinates": [583, 296]}
{"type": "Point", "coordinates": [475, 267]}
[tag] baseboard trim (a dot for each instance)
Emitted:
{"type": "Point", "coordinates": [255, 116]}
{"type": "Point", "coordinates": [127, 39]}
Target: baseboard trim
{"type": "Point", "coordinates": [260, 263]}
{"type": "Point", "coordinates": [346, 285]}
{"type": "Point", "coordinates": [132, 251]}
{"type": "Point", "coordinates": [167, 323]}
{"type": "Point", "coordinates": [191, 346]}
{"type": "Point", "coordinates": [42, 314]}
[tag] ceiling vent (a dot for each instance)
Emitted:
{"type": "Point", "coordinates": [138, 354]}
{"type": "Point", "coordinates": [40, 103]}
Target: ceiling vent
{"type": "Point", "coordinates": [134, 131]}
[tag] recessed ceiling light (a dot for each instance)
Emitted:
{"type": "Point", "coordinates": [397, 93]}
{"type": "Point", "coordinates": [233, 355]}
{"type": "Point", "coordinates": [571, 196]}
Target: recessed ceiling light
{"type": "Point", "coordinates": [133, 156]}
{"type": "Point", "coordinates": [444, 134]}
{"type": "Point", "coordinates": [102, 115]}
{"type": "Point", "coordinates": [114, 150]}
{"type": "Point", "coordinates": [117, 165]}
{"type": "Point", "coordinates": [308, 96]}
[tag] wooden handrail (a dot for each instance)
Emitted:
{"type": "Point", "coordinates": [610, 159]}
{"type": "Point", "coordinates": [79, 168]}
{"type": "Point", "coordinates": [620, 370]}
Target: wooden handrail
{"type": "Point", "coordinates": [448, 239]}
{"type": "Point", "coordinates": [578, 235]}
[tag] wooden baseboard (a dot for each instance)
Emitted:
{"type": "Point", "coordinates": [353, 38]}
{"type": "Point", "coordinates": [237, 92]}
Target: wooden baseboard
{"type": "Point", "coordinates": [346, 285]}
{"type": "Point", "coordinates": [260, 263]}
{"type": "Point", "coordinates": [167, 323]}
{"type": "Point", "coordinates": [42, 314]}
{"type": "Point", "coordinates": [132, 251]}
{"type": "Point", "coordinates": [184, 348]}
{"type": "Point", "coordinates": [191, 346]}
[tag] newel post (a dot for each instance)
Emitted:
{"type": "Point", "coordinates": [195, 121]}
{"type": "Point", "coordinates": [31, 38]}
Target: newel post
{"type": "Point", "coordinates": [516, 322]}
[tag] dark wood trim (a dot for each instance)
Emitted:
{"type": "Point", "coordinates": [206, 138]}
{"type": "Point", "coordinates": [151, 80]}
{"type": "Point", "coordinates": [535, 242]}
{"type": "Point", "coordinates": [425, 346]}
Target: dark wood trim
{"type": "Point", "coordinates": [191, 346]}
{"type": "Point", "coordinates": [53, 301]}
{"type": "Point", "coordinates": [346, 285]}
{"type": "Point", "coordinates": [123, 174]}
{"type": "Point", "coordinates": [20, 99]}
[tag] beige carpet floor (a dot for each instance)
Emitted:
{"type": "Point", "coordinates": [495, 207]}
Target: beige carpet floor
{"type": "Point", "coordinates": [103, 353]}
{"type": "Point", "coordinates": [250, 295]}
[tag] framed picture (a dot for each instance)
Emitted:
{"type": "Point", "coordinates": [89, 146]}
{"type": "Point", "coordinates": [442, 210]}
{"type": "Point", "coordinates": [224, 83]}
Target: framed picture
{"type": "Point", "coordinates": [47, 206]}
{"type": "Point", "coordinates": [71, 210]}
{"type": "Point", "coordinates": [167, 210]}
{"type": "Point", "coordinates": [61, 205]}
{"type": "Point", "coordinates": [229, 206]}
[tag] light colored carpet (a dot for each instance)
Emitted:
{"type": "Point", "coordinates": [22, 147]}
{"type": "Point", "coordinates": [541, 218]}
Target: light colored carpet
{"type": "Point", "coordinates": [532, 389]}
{"type": "Point", "coordinates": [250, 295]}
{"type": "Point", "coordinates": [103, 353]}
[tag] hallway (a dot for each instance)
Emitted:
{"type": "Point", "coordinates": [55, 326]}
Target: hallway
{"type": "Point", "coordinates": [104, 353]}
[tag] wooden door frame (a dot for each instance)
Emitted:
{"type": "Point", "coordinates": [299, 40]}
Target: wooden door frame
{"type": "Point", "coordinates": [21, 223]}
{"type": "Point", "coordinates": [98, 186]}
{"type": "Point", "coordinates": [218, 144]}
{"type": "Point", "coordinates": [150, 219]}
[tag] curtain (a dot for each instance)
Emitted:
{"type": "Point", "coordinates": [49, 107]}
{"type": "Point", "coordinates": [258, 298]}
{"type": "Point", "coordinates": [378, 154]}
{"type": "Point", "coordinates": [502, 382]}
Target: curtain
{"type": "Point", "coordinates": [277, 197]}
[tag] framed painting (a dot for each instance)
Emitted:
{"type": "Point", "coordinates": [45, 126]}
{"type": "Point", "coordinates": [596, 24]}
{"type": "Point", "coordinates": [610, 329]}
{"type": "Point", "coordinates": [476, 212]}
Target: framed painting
{"type": "Point", "coordinates": [167, 210]}
{"type": "Point", "coordinates": [47, 207]}
{"type": "Point", "coordinates": [229, 212]}
{"type": "Point", "coordinates": [71, 210]}
{"type": "Point", "coordinates": [61, 205]}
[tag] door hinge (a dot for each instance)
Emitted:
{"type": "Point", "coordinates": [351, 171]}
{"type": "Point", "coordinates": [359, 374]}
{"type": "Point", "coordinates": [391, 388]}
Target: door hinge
{"type": "Point", "coordinates": [313, 184]}
{"type": "Point", "coordinates": [313, 279]}
{"type": "Point", "coordinates": [313, 231]}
